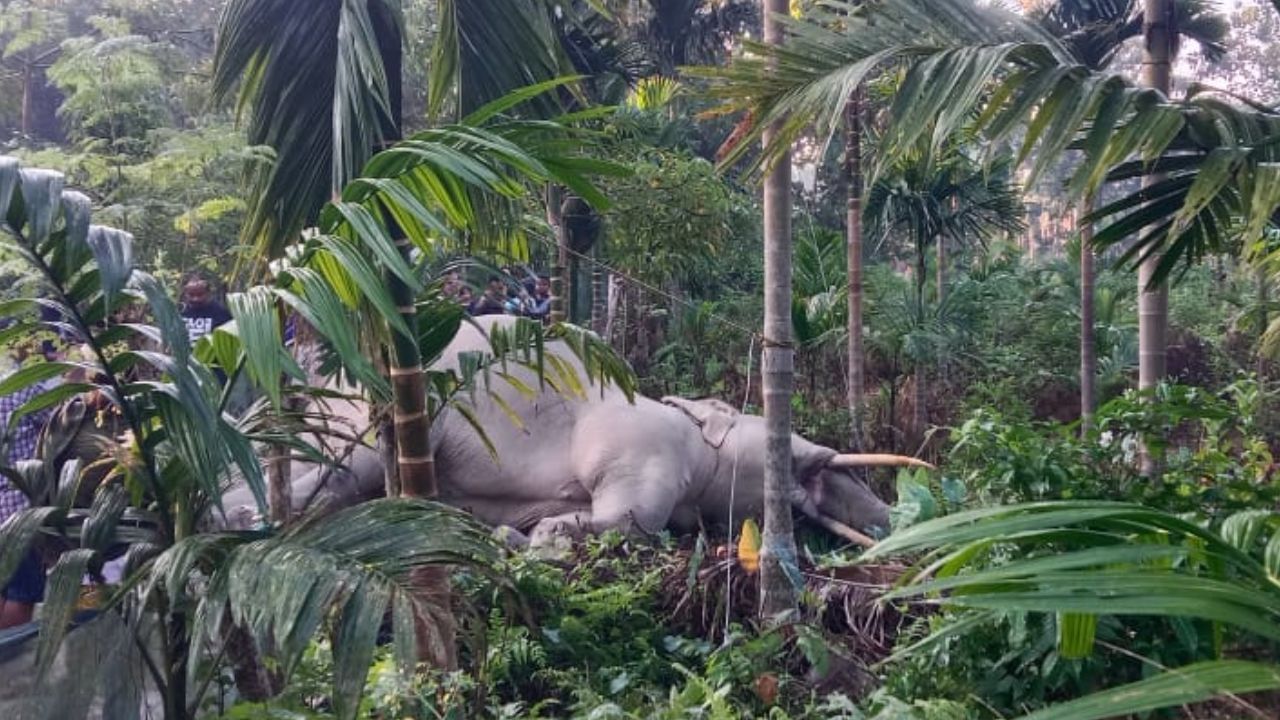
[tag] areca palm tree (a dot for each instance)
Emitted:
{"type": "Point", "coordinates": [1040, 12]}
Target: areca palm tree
{"type": "Point", "coordinates": [681, 32]}
{"type": "Point", "coordinates": [1094, 32]}
{"type": "Point", "coordinates": [322, 89]}
{"type": "Point", "coordinates": [928, 198]}
{"type": "Point", "coordinates": [854, 122]}
{"type": "Point", "coordinates": [489, 48]}
{"type": "Point", "coordinates": [994, 74]}
{"type": "Point", "coordinates": [778, 556]}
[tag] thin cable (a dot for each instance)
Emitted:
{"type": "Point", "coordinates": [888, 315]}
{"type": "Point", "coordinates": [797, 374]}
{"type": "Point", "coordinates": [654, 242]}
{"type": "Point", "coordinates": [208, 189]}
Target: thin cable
{"type": "Point", "coordinates": [733, 486]}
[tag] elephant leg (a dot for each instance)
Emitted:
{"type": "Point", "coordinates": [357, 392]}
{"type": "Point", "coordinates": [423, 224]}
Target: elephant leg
{"type": "Point", "coordinates": [641, 507]}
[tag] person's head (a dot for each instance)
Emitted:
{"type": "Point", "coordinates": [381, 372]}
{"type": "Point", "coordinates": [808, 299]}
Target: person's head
{"type": "Point", "coordinates": [496, 286]}
{"type": "Point", "coordinates": [543, 286]}
{"type": "Point", "coordinates": [197, 292]}
{"type": "Point", "coordinates": [451, 283]}
{"type": "Point", "coordinates": [464, 294]}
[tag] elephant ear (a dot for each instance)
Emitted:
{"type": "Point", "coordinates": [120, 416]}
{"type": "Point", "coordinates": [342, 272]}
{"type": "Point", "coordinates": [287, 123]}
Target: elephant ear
{"type": "Point", "coordinates": [716, 418]}
{"type": "Point", "coordinates": [808, 461]}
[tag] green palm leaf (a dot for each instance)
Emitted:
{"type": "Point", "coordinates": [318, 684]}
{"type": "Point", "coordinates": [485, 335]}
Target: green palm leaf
{"type": "Point", "coordinates": [316, 92]}
{"type": "Point", "coordinates": [1086, 558]}
{"type": "Point", "coordinates": [488, 48]}
{"type": "Point", "coordinates": [354, 562]}
{"type": "Point", "coordinates": [960, 62]}
{"type": "Point", "coordinates": [1177, 687]}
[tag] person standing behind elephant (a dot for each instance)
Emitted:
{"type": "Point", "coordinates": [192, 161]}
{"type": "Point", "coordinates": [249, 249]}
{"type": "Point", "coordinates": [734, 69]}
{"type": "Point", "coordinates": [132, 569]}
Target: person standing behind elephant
{"type": "Point", "coordinates": [541, 305]}
{"type": "Point", "coordinates": [494, 299]}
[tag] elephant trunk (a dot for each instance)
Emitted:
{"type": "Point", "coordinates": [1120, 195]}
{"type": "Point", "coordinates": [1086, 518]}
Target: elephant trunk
{"type": "Point", "coordinates": [855, 460]}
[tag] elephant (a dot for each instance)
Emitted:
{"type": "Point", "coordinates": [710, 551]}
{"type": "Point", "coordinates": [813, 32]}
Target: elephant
{"type": "Point", "coordinates": [567, 465]}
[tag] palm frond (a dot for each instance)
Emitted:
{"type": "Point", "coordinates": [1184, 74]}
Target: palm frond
{"type": "Point", "coordinates": [315, 88]}
{"type": "Point", "coordinates": [1093, 557]}
{"type": "Point", "coordinates": [488, 48]}
{"type": "Point", "coordinates": [960, 62]}
{"type": "Point", "coordinates": [347, 568]}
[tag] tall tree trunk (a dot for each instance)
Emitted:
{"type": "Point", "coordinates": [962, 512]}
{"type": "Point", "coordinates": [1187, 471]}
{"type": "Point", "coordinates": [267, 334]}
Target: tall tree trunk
{"type": "Point", "coordinates": [436, 628]}
{"type": "Point", "coordinates": [280, 497]}
{"type": "Point", "coordinates": [386, 439]}
{"type": "Point", "coordinates": [777, 594]}
{"type": "Point", "coordinates": [560, 287]}
{"type": "Point", "coordinates": [1153, 301]}
{"type": "Point", "coordinates": [919, 413]}
{"type": "Point", "coordinates": [856, 380]}
{"type": "Point", "coordinates": [1264, 299]}
{"type": "Point", "coordinates": [940, 272]}
{"type": "Point", "coordinates": [599, 295]}
{"type": "Point", "coordinates": [613, 303]}
{"type": "Point", "coordinates": [1088, 351]}
{"type": "Point", "coordinates": [28, 100]}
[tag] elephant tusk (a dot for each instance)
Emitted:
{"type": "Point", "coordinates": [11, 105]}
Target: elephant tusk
{"type": "Point", "coordinates": [840, 529]}
{"type": "Point", "coordinates": [849, 460]}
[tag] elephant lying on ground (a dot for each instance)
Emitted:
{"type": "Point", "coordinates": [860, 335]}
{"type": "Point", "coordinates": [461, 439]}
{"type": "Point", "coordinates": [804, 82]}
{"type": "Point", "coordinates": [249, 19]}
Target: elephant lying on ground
{"type": "Point", "coordinates": [588, 464]}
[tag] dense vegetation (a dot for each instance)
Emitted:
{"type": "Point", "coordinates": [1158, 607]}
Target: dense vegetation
{"type": "Point", "coordinates": [1076, 537]}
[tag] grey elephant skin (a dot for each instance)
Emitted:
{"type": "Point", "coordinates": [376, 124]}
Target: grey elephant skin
{"type": "Point", "coordinates": [587, 464]}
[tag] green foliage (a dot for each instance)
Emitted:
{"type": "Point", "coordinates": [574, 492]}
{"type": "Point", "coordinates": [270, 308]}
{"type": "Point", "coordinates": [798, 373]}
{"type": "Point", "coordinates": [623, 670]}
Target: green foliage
{"type": "Point", "coordinates": [115, 87]}
{"type": "Point", "coordinates": [980, 69]}
{"type": "Point", "coordinates": [590, 639]}
{"type": "Point", "coordinates": [1082, 556]}
{"type": "Point", "coordinates": [1216, 466]}
{"type": "Point", "coordinates": [670, 220]}
{"type": "Point", "coordinates": [596, 628]}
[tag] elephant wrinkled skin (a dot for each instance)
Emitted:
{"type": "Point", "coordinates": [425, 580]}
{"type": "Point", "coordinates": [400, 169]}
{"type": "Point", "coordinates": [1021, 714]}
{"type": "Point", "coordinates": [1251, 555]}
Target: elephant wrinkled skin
{"type": "Point", "coordinates": [588, 464]}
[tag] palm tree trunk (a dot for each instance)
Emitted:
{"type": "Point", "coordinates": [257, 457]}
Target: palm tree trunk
{"type": "Point", "coordinates": [599, 295]}
{"type": "Point", "coordinates": [280, 499]}
{"type": "Point", "coordinates": [559, 273]}
{"type": "Point", "coordinates": [1264, 299]}
{"type": "Point", "coordinates": [940, 272]}
{"type": "Point", "coordinates": [28, 100]}
{"type": "Point", "coordinates": [777, 595]}
{"type": "Point", "coordinates": [1153, 301]}
{"type": "Point", "coordinates": [435, 626]}
{"type": "Point", "coordinates": [856, 380]}
{"type": "Point", "coordinates": [1088, 351]}
{"type": "Point", "coordinates": [919, 415]}
{"type": "Point", "coordinates": [175, 666]}
{"type": "Point", "coordinates": [613, 302]}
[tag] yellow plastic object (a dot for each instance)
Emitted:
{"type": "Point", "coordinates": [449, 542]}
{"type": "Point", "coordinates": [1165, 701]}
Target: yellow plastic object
{"type": "Point", "coordinates": [749, 544]}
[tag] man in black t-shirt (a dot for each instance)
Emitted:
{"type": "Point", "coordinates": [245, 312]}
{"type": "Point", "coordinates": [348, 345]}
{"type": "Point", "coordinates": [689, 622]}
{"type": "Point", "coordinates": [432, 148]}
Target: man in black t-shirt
{"type": "Point", "coordinates": [494, 299]}
{"type": "Point", "coordinates": [200, 311]}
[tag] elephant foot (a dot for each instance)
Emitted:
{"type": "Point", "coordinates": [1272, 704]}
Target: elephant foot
{"type": "Point", "coordinates": [552, 538]}
{"type": "Point", "coordinates": [510, 537]}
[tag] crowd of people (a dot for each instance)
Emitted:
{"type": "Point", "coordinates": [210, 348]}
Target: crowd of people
{"type": "Point", "coordinates": [202, 313]}
{"type": "Point", "coordinates": [528, 298]}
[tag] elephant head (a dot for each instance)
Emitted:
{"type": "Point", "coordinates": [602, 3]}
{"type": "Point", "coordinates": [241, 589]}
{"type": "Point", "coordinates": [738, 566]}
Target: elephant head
{"type": "Point", "coordinates": [825, 488]}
